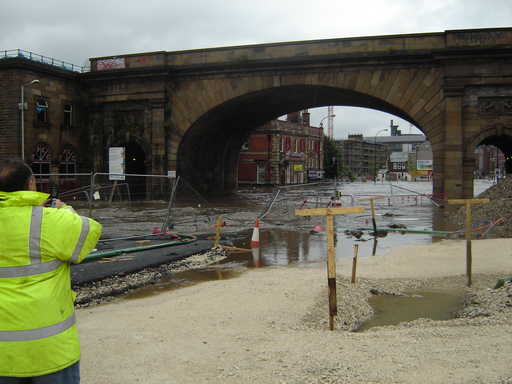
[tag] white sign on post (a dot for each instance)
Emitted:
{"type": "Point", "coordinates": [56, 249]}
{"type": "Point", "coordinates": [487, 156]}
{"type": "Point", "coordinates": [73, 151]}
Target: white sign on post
{"type": "Point", "coordinates": [116, 163]}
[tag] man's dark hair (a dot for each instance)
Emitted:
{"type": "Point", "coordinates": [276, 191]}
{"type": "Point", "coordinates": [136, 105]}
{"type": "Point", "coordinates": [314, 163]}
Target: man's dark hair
{"type": "Point", "coordinates": [14, 175]}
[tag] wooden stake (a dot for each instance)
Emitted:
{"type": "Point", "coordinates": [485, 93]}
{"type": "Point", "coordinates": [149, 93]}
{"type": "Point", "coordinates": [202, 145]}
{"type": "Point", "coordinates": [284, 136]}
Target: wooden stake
{"type": "Point", "coordinates": [112, 193]}
{"type": "Point", "coordinates": [329, 213]}
{"type": "Point", "coordinates": [354, 263]}
{"type": "Point", "coordinates": [469, 226]}
{"type": "Point", "coordinates": [218, 224]}
{"type": "Point", "coordinates": [374, 222]}
{"type": "Point", "coordinates": [331, 271]}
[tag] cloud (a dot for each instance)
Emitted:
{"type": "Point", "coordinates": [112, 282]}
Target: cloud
{"type": "Point", "coordinates": [79, 30]}
{"type": "Point", "coordinates": [352, 120]}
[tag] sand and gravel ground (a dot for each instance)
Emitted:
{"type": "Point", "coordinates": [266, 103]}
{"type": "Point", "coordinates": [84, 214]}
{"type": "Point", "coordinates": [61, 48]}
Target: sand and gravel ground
{"type": "Point", "coordinates": [270, 326]}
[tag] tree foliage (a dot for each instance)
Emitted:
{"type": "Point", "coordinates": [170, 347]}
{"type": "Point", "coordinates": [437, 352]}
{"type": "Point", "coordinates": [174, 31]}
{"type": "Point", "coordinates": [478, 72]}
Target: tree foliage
{"type": "Point", "coordinates": [331, 158]}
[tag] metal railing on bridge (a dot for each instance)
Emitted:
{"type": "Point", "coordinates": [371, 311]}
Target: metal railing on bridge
{"type": "Point", "coordinates": [12, 53]}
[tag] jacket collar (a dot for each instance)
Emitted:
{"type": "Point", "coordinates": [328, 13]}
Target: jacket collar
{"type": "Point", "coordinates": [22, 198]}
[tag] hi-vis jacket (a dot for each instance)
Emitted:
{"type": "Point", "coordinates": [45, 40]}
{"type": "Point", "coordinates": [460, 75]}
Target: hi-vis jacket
{"type": "Point", "coordinates": [38, 334]}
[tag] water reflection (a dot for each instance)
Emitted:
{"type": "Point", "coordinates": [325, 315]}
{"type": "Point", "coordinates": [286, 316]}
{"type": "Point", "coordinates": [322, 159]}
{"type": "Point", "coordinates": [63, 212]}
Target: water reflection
{"type": "Point", "coordinates": [286, 247]}
{"type": "Point", "coordinates": [256, 257]}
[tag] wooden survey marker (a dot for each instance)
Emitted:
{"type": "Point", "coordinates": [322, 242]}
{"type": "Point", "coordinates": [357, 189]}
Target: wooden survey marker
{"type": "Point", "coordinates": [469, 225]}
{"type": "Point", "coordinates": [329, 213]}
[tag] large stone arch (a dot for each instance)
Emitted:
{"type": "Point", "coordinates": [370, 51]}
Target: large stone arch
{"type": "Point", "coordinates": [211, 116]}
{"type": "Point", "coordinates": [498, 135]}
{"type": "Point", "coordinates": [452, 84]}
{"type": "Point", "coordinates": [495, 130]}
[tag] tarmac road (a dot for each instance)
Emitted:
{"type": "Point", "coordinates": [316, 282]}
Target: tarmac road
{"type": "Point", "coordinates": [125, 263]}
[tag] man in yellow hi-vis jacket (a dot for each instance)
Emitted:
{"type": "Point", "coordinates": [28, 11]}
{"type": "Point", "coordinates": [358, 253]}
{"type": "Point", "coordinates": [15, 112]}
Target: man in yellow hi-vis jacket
{"type": "Point", "coordinates": [38, 335]}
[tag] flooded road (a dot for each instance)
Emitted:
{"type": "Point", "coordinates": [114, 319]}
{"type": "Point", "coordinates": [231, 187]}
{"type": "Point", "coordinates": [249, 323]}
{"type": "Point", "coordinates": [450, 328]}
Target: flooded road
{"type": "Point", "coordinates": [287, 244]}
{"type": "Point", "coordinates": [399, 208]}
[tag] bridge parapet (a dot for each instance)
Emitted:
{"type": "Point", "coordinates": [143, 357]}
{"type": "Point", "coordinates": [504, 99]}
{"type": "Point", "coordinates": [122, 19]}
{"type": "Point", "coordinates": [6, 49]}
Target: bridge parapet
{"type": "Point", "coordinates": [359, 47]}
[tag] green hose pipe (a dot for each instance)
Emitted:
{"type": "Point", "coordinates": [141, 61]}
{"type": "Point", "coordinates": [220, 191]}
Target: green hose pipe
{"type": "Point", "coordinates": [184, 239]}
{"type": "Point", "coordinates": [403, 230]}
{"type": "Point", "coordinates": [501, 282]}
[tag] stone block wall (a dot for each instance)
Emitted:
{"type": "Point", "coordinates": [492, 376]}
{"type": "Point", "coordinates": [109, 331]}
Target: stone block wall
{"type": "Point", "coordinates": [9, 114]}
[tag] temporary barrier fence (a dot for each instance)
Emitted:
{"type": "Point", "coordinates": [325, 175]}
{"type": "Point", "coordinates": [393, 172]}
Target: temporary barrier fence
{"type": "Point", "coordinates": [138, 186]}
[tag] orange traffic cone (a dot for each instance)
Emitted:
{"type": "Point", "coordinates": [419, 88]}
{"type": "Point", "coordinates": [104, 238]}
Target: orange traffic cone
{"type": "Point", "coordinates": [255, 240]}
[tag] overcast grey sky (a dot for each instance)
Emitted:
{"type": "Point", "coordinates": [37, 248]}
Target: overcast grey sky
{"type": "Point", "coordinates": [76, 30]}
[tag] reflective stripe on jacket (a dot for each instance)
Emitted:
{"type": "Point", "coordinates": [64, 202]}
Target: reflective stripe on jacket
{"type": "Point", "coordinates": [38, 334]}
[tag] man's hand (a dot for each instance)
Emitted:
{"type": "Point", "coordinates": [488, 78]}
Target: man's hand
{"type": "Point", "coordinates": [54, 203]}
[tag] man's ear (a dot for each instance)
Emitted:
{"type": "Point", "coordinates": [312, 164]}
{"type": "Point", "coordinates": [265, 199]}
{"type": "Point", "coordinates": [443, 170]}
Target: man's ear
{"type": "Point", "coordinates": [32, 186]}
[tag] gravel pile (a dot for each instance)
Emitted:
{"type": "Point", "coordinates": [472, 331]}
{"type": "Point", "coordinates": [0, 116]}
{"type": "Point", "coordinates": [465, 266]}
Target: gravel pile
{"type": "Point", "coordinates": [488, 302]}
{"type": "Point", "coordinates": [106, 290]}
{"type": "Point", "coordinates": [500, 206]}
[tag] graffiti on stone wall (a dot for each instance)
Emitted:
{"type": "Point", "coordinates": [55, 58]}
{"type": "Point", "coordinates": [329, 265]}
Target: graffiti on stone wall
{"type": "Point", "coordinates": [495, 105]}
{"type": "Point", "coordinates": [115, 63]}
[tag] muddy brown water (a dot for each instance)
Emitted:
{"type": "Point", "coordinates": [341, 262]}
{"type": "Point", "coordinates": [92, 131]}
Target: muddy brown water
{"type": "Point", "coordinates": [186, 279]}
{"type": "Point", "coordinates": [392, 310]}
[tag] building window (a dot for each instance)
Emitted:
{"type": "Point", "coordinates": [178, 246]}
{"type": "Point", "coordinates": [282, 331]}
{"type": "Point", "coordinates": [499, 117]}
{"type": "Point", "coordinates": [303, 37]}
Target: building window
{"type": "Point", "coordinates": [302, 145]}
{"type": "Point", "coordinates": [68, 162]}
{"type": "Point", "coordinates": [68, 116]}
{"type": "Point", "coordinates": [41, 160]}
{"type": "Point", "coordinates": [42, 110]}
{"type": "Point", "coordinates": [287, 144]}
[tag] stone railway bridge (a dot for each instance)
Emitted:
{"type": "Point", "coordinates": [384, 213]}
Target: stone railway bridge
{"type": "Point", "coordinates": [191, 111]}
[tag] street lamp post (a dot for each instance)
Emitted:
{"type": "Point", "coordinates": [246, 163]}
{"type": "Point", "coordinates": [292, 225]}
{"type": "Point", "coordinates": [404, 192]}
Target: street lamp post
{"type": "Point", "coordinates": [375, 154]}
{"type": "Point", "coordinates": [326, 117]}
{"type": "Point", "coordinates": [22, 107]}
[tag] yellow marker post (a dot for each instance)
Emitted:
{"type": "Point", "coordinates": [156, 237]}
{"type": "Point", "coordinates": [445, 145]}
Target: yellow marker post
{"type": "Point", "coordinates": [329, 213]}
{"type": "Point", "coordinates": [469, 224]}
{"type": "Point", "coordinates": [374, 222]}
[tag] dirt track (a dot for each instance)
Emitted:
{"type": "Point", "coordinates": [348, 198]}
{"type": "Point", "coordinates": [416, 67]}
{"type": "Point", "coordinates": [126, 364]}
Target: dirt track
{"type": "Point", "coordinates": [269, 326]}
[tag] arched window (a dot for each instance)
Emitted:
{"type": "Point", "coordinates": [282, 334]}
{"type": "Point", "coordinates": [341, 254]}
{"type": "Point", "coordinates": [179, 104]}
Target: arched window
{"type": "Point", "coordinates": [68, 162]}
{"type": "Point", "coordinates": [41, 159]}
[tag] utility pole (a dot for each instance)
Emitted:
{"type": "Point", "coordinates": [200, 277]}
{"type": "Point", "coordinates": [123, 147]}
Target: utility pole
{"type": "Point", "coordinates": [330, 121]}
{"type": "Point", "coordinates": [375, 154]}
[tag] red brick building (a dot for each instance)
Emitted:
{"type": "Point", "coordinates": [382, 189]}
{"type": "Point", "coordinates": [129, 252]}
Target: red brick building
{"type": "Point", "coordinates": [282, 152]}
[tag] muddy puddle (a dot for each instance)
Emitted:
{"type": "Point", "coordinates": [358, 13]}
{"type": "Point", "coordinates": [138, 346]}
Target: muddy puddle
{"type": "Point", "coordinates": [188, 278]}
{"type": "Point", "coordinates": [392, 310]}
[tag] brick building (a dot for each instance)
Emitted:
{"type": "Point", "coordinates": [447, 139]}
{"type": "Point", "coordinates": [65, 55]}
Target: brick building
{"type": "Point", "coordinates": [490, 162]}
{"type": "Point", "coordinates": [282, 152]}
